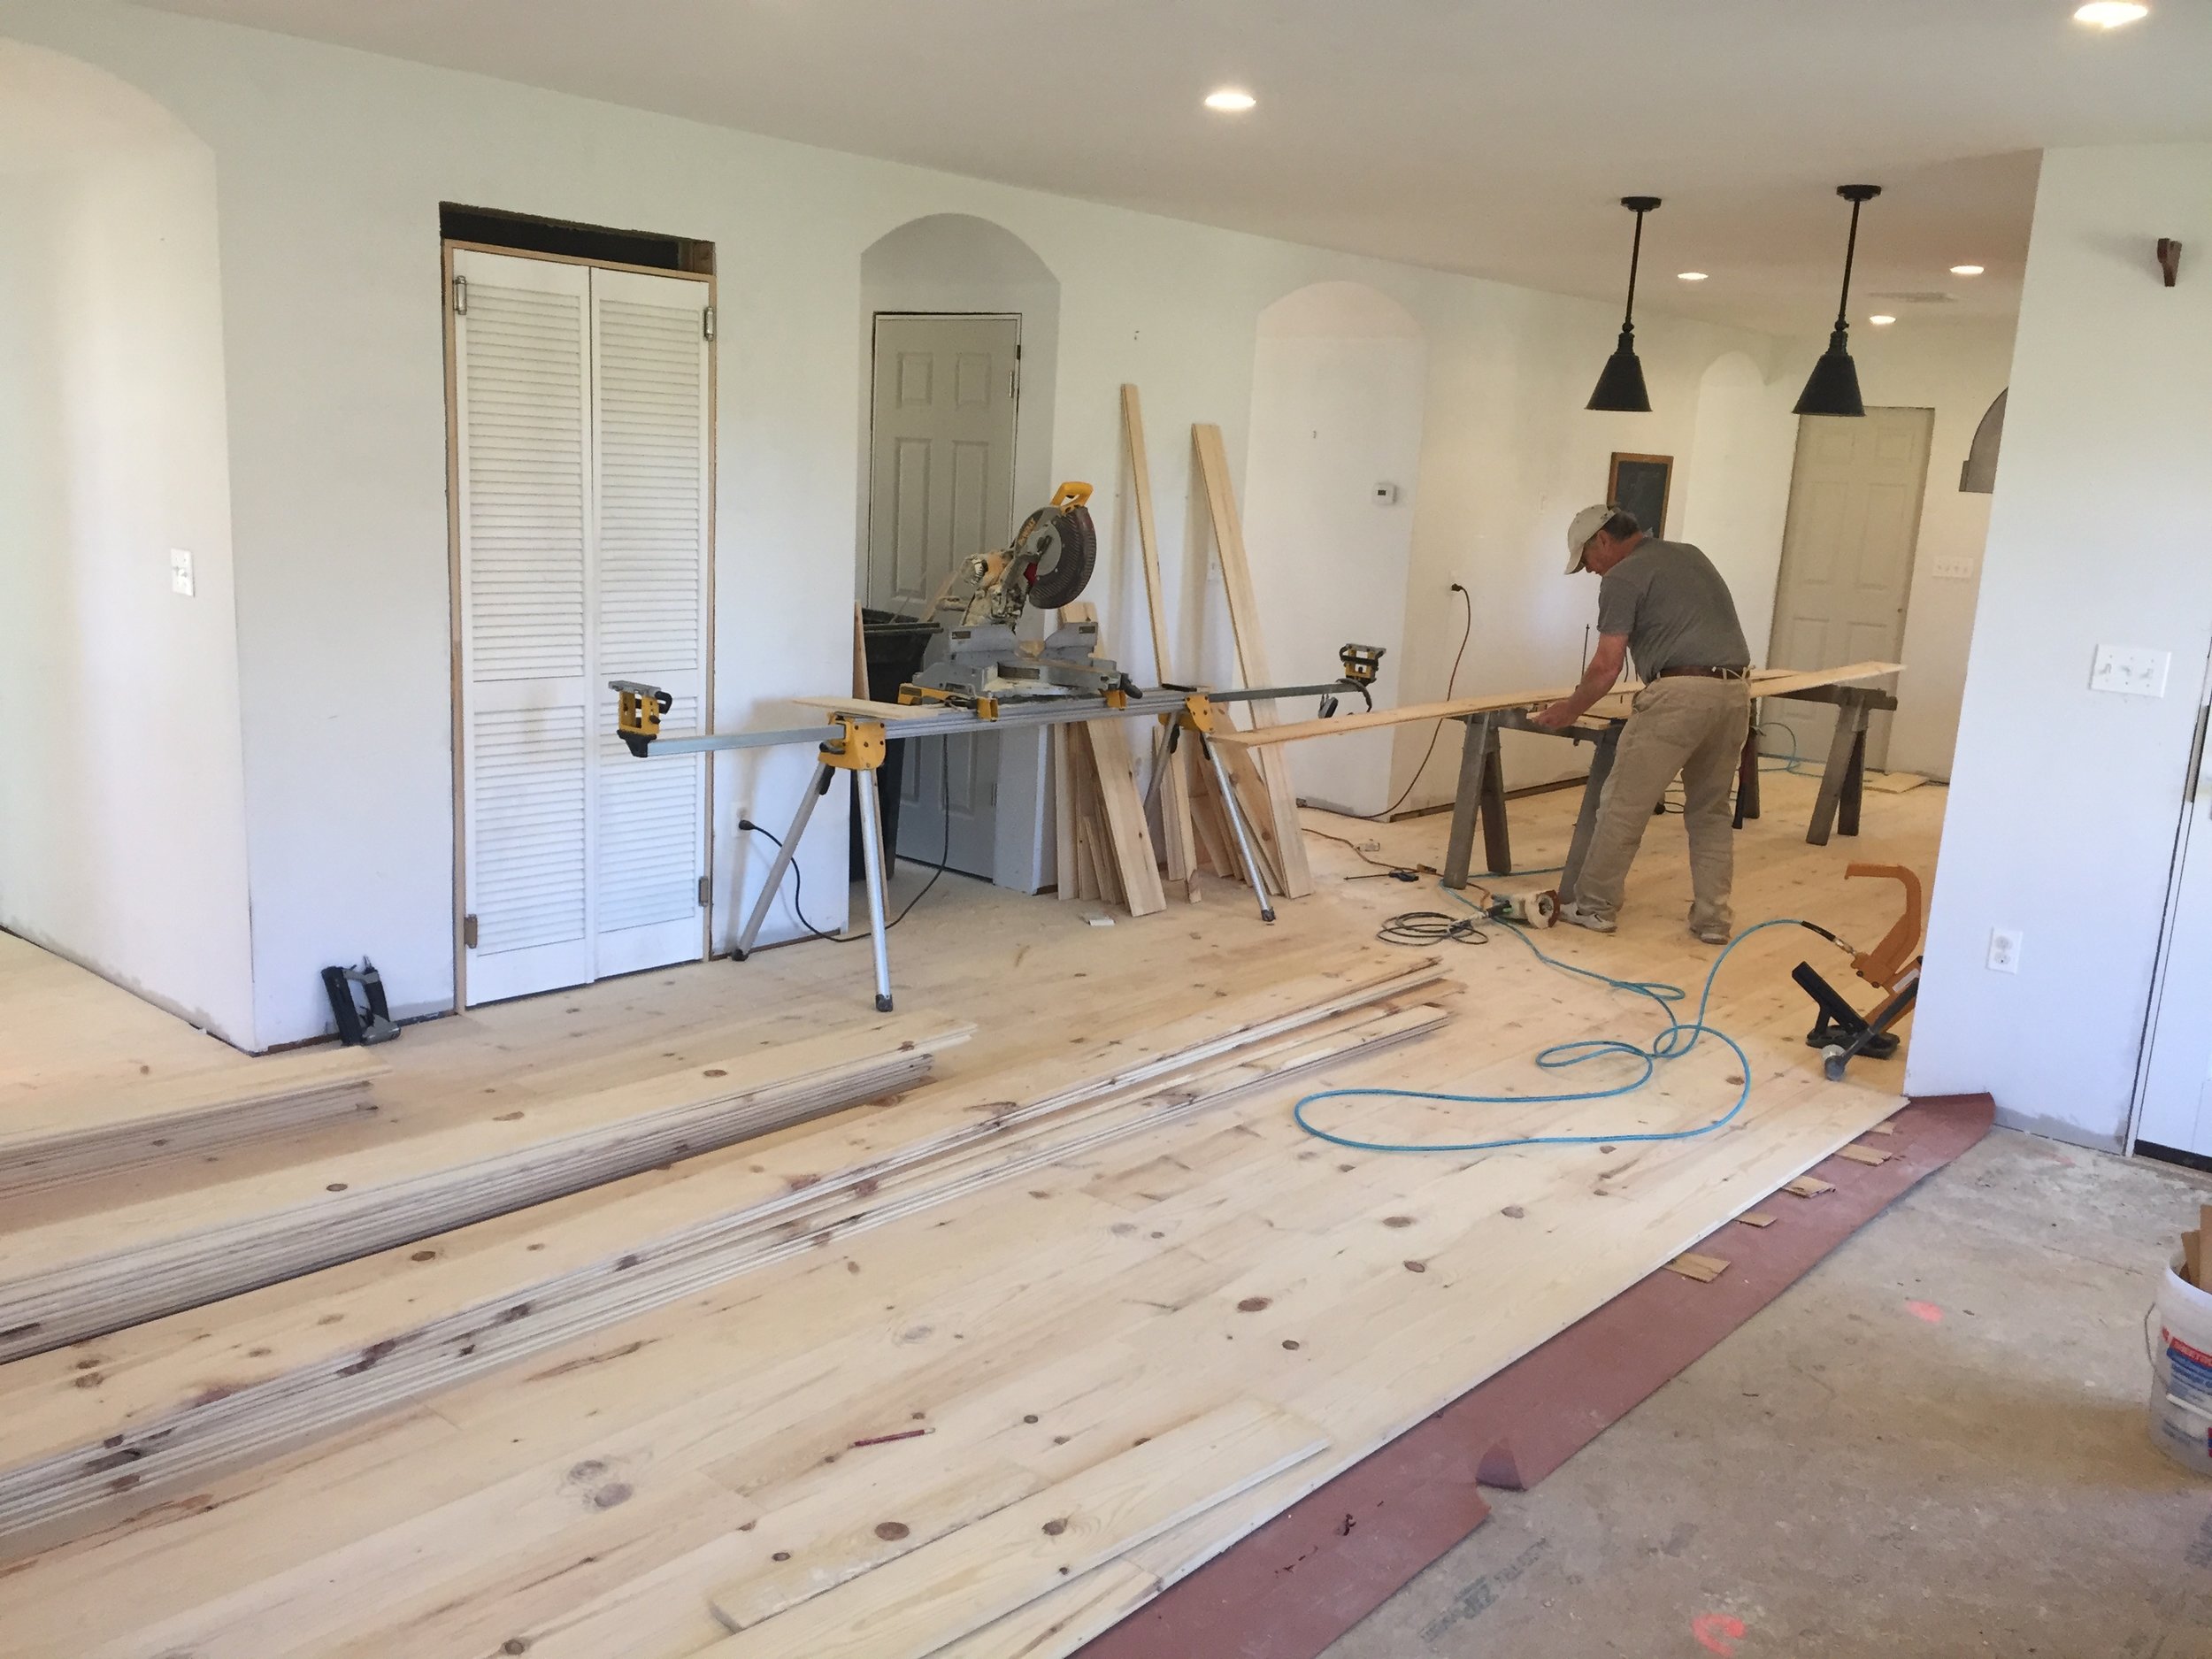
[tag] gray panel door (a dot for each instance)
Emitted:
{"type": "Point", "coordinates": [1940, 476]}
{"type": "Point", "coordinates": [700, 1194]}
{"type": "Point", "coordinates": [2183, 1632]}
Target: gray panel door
{"type": "Point", "coordinates": [1846, 558]}
{"type": "Point", "coordinates": [941, 488]}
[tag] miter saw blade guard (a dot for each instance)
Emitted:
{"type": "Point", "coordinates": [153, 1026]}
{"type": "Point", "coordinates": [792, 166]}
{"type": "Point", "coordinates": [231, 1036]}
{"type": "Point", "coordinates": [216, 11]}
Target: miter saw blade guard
{"type": "Point", "coordinates": [1058, 549]}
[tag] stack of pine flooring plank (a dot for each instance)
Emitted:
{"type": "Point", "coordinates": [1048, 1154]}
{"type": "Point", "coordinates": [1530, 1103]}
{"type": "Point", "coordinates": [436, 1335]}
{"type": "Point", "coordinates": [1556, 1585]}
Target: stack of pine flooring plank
{"type": "Point", "coordinates": [170, 1400]}
{"type": "Point", "coordinates": [86, 1275]}
{"type": "Point", "coordinates": [79, 1133]}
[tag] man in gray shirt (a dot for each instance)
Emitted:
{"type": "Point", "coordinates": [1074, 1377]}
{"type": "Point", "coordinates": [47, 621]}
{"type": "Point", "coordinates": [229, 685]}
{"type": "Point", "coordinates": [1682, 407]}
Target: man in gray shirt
{"type": "Point", "coordinates": [1663, 604]}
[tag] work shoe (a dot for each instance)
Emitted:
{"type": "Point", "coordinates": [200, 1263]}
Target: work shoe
{"type": "Point", "coordinates": [1590, 919]}
{"type": "Point", "coordinates": [1711, 933]}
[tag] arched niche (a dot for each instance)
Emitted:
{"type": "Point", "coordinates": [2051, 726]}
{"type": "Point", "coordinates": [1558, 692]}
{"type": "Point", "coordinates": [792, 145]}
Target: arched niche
{"type": "Point", "coordinates": [122, 825]}
{"type": "Point", "coordinates": [1339, 378]}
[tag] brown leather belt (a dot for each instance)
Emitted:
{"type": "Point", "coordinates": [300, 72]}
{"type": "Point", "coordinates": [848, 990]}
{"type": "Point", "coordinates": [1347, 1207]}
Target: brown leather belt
{"type": "Point", "coordinates": [1704, 673]}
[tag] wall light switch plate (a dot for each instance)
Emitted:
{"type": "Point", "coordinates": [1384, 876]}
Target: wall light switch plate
{"type": "Point", "coordinates": [2004, 950]}
{"type": "Point", "coordinates": [2132, 671]}
{"type": "Point", "coordinates": [181, 571]}
{"type": "Point", "coordinates": [1953, 568]}
{"type": "Point", "coordinates": [1385, 494]}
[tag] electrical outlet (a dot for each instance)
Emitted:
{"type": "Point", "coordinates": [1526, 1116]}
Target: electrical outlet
{"type": "Point", "coordinates": [2130, 670]}
{"type": "Point", "coordinates": [181, 571]}
{"type": "Point", "coordinates": [2004, 950]}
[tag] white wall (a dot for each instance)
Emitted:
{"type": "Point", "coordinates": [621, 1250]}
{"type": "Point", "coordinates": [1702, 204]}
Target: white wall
{"type": "Point", "coordinates": [122, 802]}
{"type": "Point", "coordinates": [332, 165]}
{"type": "Point", "coordinates": [1336, 402]}
{"type": "Point", "coordinates": [2065, 802]}
{"type": "Point", "coordinates": [1734, 495]}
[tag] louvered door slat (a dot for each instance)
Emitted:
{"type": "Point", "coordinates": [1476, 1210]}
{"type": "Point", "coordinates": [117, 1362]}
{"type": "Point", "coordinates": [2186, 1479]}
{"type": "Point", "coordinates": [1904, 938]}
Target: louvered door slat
{"type": "Point", "coordinates": [523, 382]}
{"type": "Point", "coordinates": [650, 608]}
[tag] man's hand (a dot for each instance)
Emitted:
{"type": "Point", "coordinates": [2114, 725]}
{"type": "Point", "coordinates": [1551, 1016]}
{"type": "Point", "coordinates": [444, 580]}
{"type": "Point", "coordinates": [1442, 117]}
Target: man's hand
{"type": "Point", "coordinates": [1558, 716]}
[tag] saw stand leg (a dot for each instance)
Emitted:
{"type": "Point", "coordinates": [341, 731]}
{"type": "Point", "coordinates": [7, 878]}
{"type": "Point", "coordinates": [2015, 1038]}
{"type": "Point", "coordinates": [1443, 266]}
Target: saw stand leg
{"type": "Point", "coordinates": [1246, 856]}
{"type": "Point", "coordinates": [859, 752]}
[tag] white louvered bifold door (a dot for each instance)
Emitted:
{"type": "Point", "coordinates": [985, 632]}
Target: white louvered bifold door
{"type": "Point", "coordinates": [522, 425]}
{"type": "Point", "coordinates": [580, 425]}
{"type": "Point", "coordinates": [649, 352]}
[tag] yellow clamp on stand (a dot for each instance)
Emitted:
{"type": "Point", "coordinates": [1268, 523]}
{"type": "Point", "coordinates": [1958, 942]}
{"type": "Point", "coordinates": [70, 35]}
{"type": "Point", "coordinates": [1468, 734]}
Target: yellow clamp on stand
{"type": "Point", "coordinates": [638, 716]}
{"type": "Point", "coordinates": [1200, 716]}
{"type": "Point", "coordinates": [862, 749]}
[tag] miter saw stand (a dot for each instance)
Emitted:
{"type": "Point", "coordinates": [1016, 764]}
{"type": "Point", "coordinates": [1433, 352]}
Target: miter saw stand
{"type": "Point", "coordinates": [1024, 687]}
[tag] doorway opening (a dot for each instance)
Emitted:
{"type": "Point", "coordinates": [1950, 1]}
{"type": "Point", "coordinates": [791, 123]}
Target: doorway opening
{"type": "Point", "coordinates": [1846, 575]}
{"type": "Point", "coordinates": [961, 321]}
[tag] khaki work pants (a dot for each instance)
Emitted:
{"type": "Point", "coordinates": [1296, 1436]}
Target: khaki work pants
{"type": "Point", "coordinates": [1694, 728]}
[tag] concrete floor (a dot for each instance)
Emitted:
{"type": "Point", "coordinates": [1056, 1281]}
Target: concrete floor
{"type": "Point", "coordinates": [1933, 1444]}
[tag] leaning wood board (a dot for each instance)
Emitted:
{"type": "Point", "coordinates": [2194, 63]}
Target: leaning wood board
{"type": "Point", "coordinates": [1252, 659]}
{"type": "Point", "coordinates": [1178, 839]}
{"type": "Point", "coordinates": [1765, 683]}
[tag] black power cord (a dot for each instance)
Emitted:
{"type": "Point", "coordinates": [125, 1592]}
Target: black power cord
{"type": "Point", "coordinates": [1451, 683]}
{"type": "Point", "coordinates": [890, 858]}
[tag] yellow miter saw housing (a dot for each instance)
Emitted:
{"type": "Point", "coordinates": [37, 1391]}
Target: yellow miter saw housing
{"type": "Point", "coordinates": [983, 658]}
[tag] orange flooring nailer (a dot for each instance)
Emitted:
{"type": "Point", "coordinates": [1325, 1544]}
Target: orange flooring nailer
{"type": "Point", "coordinates": [1842, 1033]}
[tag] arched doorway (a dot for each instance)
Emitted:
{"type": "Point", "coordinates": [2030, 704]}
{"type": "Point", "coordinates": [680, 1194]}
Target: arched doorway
{"type": "Point", "coordinates": [1735, 488]}
{"type": "Point", "coordinates": [961, 323]}
{"type": "Point", "coordinates": [1338, 373]}
{"type": "Point", "coordinates": [122, 826]}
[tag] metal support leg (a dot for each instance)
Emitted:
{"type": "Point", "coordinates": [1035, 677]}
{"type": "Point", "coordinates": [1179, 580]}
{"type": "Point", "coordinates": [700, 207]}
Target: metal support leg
{"type": "Point", "coordinates": [784, 855]}
{"type": "Point", "coordinates": [1480, 798]}
{"type": "Point", "coordinates": [1849, 738]}
{"type": "Point", "coordinates": [1587, 820]}
{"type": "Point", "coordinates": [1249, 858]}
{"type": "Point", "coordinates": [1748, 773]}
{"type": "Point", "coordinates": [872, 858]}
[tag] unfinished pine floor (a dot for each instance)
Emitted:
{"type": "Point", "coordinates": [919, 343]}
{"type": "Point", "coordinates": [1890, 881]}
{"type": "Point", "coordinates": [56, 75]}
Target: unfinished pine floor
{"type": "Point", "coordinates": [593, 1501]}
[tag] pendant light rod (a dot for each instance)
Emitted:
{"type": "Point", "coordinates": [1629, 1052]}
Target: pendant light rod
{"type": "Point", "coordinates": [1858, 194]}
{"type": "Point", "coordinates": [1638, 205]}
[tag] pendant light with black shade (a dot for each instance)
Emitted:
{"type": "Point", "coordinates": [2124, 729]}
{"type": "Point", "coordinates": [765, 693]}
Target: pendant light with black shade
{"type": "Point", "coordinates": [1621, 385]}
{"type": "Point", "coordinates": [1832, 388]}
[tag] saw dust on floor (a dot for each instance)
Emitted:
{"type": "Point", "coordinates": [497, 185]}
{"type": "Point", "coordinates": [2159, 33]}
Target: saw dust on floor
{"type": "Point", "coordinates": [843, 1439]}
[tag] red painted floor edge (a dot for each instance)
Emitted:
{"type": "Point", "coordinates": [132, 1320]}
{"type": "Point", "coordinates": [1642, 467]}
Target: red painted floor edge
{"type": "Point", "coordinates": [1297, 1584]}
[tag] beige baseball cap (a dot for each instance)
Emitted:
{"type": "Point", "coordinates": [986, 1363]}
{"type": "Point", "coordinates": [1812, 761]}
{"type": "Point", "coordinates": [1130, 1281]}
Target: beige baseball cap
{"type": "Point", "coordinates": [1580, 529]}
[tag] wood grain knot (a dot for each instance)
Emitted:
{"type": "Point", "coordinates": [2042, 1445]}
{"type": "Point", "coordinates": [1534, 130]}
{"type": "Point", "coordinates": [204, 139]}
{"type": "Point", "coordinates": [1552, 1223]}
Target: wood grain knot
{"type": "Point", "coordinates": [891, 1531]}
{"type": "Point", "coordinates": [1252, 1304]}
{"type": "Point", "coordinates": [1053, 1528]}
{"type": "Point", "coordinates": [1416, 1267]}
{"type": "Point", "coordinates": [1397, 1221]}
{"type": "Point", "coordinates": [1513, 1212]}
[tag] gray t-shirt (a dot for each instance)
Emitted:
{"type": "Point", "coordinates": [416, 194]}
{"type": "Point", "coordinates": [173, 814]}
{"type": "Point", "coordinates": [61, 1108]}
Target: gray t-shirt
{"type": "Point", "coordinates": [1675, 609]}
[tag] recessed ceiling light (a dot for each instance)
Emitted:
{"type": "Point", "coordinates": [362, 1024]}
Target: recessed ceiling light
{"type": "Point", "coordinates": [2110, 14]}
{"type": "Point", "coordinates": [1230, 100]}
{"type": "Point", "coordinates": [1881, 321]}
{"type": "Point", "coordinates": [1690, 276]}
{"type": "Point", "coordinates": [1966, 270]}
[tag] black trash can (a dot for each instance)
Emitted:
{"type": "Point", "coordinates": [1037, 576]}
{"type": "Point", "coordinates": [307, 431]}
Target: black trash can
{"type": "Point", "coordinates": [895, 646]}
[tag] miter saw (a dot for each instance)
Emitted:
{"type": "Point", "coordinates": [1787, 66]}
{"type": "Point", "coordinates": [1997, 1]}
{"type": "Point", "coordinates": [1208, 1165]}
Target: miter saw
{"type": "Point", "coordinates": [980, 658]}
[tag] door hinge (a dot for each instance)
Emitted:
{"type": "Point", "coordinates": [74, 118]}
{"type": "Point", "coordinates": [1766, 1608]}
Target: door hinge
{"type": "Point", "coordinates": [706, 890]}
{"type": "Point", "coordinates": [1013, 382]}
{"type": "Point", "coordinates": [707, 319]}
{"type": "Point", "coordinates": [468, 931]}
{"type": "Point", "coordinates": [460, 297]}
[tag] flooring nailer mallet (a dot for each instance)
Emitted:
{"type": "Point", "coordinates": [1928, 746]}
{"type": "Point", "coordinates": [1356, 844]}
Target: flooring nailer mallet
{"type": "Point", "coordinates": [1842, 1032]}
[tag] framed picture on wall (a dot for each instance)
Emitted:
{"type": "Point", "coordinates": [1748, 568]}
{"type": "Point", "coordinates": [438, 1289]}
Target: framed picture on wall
{"type": "Point", "coordinates": [1639, 483]}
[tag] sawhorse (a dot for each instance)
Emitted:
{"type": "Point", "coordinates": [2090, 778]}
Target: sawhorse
{"type": "Point", "coordinates": [1480, 800]}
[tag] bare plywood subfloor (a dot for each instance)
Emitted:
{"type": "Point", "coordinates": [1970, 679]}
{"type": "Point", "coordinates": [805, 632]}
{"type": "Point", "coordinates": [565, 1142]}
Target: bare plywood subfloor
{"type": "Point", "coordinates": [591, 1501]}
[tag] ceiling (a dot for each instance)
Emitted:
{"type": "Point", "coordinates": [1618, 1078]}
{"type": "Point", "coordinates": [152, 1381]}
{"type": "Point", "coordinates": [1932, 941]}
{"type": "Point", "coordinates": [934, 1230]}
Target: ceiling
{"type": "Point", "coordinates": [1484, 137]}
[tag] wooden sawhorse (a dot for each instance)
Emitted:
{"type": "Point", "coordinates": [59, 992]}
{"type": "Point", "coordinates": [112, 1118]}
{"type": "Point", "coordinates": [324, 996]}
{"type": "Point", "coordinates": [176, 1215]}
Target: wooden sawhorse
{"type": "Point", "coordinates": [1480, 799]}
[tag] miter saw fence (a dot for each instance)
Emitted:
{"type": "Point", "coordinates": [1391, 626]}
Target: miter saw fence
{"type": "Point", "coordinates": [1048, 565]}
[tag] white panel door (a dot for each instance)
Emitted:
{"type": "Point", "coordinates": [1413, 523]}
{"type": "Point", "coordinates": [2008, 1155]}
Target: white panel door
{"type": "Point", "coordinates": [941, 489]}
{"type": "Point", "coordinates": [523, 420]}
{"type": "Point", "coordinates": [2176, 1110]}
{"type": "Point", "coordinates": [1846, 558]}
{"type": "Point", "coordinates": [582, 489]}
{"type": "Point", "coordinates": [649, 395]}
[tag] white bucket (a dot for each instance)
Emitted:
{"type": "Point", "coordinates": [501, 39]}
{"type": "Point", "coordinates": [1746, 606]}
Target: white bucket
{"type": "Point", "coordinates": [2181, 1371]}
